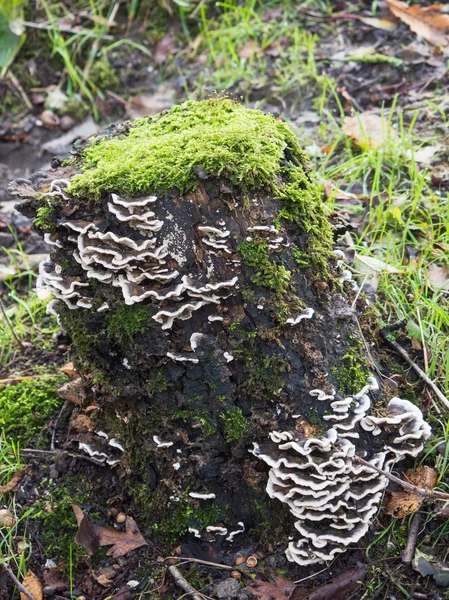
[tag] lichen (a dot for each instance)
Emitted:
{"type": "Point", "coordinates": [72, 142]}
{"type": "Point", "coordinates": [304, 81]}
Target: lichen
{"type": "Point", "coordinates": [26, 407]}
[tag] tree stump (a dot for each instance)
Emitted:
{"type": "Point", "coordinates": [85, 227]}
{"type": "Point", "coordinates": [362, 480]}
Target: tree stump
{"type": "Point", "coordinates": [192, 265]}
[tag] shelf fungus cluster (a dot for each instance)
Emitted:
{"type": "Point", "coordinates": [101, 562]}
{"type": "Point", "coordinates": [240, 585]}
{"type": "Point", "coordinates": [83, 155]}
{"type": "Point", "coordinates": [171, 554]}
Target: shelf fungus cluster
{"type": "Point", "coordinates": [143, 264]}
{"type": "Point", "coordinates": [333, 498]}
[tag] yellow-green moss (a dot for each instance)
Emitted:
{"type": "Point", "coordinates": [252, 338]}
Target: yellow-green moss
{"type": "Point", "coordinates": [245, 148]}
{"type": "Point", "coordinates": [46, 218]}
{"type": "Point", "coordinates": [353, 370]}
{"type": "Point", "coordinates": [235, 425]}
{"type": "Point", "coordinates": [160, 153]}
{"type": "Point", "coordinates": [124, 322]}
{"type": "Point", "coordinates": [26, 407]}
{"type": "Point", "coordinates": [267, 273]}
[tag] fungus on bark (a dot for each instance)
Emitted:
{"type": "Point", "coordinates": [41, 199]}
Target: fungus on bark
{"type": "Point", "coordinates": [192, 264]}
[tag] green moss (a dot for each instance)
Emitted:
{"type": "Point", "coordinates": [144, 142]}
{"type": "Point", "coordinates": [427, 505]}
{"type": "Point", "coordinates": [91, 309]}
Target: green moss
{"type": "Point", "coordinates": [103, 76]}
{"type": "Point", "coordinates": [376, 58]}
{"type": "Point", "coordinates": [353, 370]}
{"type": "Point", "coordinates": [124, 322]}
{"type": "Point", "coordinates": [174, 519]}
{"type": "Point", "coordinates": [26, 407]}
{"type": "Point", "coordinates": [57, 522]}
{"type": "Point", "coordinates": [267, 375]}
{"type": "Point", "coordinates": [46, 218]}
{"type": "Point", "coordinates": [160, 153]}
{"type": "Point", "coordinates": [267, 273]}
{"type": "Point", "coordinates": [302, 258]}
{"type": "Point", "coordinates": [235, 425]}
{"type": "Point", "coordinates": [199, 417]}
{"type": "Point", "coordinates": [157, 384]}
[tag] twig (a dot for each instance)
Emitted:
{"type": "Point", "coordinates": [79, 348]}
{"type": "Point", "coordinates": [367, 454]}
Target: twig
{"type": "Point", "coordinates": [410, 546]}
{"type": "Point", "coordinates": [55, 426]}
{"type": "Point", "coordinates": [201, 562]}
{"type": "Point", "coordinates": [424, 350]}
{"type": "Point", "coordinates": [64, 29]}
{"type": "Point", "coordinates": [71, 454]}
{"type": "Point", "coordinates": [20, 89]}
{"type": "Point", "coordinates": [2, 309]}
{"type": "Point", "coordinates": [183, 584]}
{"type": "Point", "coordinates": [17, 583]}
{"type": "Point", "coordinates": [400, 350]}
{"type": "Point", "coordinates": [408, 486]}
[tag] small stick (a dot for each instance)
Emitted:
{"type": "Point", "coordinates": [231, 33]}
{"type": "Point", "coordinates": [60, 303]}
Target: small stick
{"type": "Point", "coordinates": [409, 550]}
{"type": "Point", "coordinates": [17, 583]}
{"type": "Point", "coordinates": [408, 486]}
{"type": "Point", "coordinates": [55, 426]}
{"type": "Point", "coordinates": [183, 584]}
{"type": "Point", "coordinates": [201, 562]}
{"type": "Point", "coordinates": [400, 350]}
{"type": "Point", "coordinates": [2, 309]}
{"type": "Point", "coordinates": [64, 29]}
{"type": "Point", "coordinates": [20, 89]}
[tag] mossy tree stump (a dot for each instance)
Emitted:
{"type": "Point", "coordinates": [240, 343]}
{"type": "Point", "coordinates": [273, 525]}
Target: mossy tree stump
{"type": "Point", "coordinates": [192, 266]}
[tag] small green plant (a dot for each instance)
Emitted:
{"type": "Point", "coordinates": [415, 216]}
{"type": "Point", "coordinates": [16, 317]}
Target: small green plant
{"type": "Point", "coordinates": [267, 273]}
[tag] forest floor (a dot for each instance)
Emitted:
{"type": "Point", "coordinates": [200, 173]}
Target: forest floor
{"type": "Point", "coordinates": [369, 100]}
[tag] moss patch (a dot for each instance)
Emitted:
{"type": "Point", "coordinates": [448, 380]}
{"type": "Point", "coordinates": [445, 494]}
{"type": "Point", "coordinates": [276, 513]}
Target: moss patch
{"type": "Point", "coordinates": [26, 407]}
{"type": "Point", "coordinates": [353, 371]}
{"type": "Point", "coordinates": [125, 321]}
{"type": "Point", "coordinates": [235, 425]}
{"type": "Point", "coordinates": [161, 153]}
{"type": "Point", "coordinates": [267, 273]}
{"type": "Point", "coordinates": [245, 148]}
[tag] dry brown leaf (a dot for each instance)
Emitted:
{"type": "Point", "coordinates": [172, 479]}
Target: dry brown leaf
{"type": "Point", "coordinates": [32, 584]}
{"type": "Point", "coordinates": [164, 48]}
{"type": "Point", "coordinates": [91, 535]}
{"type": "Point", "coordinates": [425, 21]}
{"type": "Point", "coordinates": [13, 482]}
{"type": "Point", "coordinates": [369, 130]}
{"type": "Point", "coordinates": [69, 369]}
{"type": "Point", "coordinates": [342, 587]}
{"type": "Point", "coordinates": [73, 391]}
{"type": "Point", "coordinates": [403, 502]}
{"type": "Point", "coordinates": [438, 276]}
{"type": "Point", "coordinates": [282, 588]}
{"type": "Point", "coordinates": [384, 24]}
{"type": "Point", "coordinates": [248, 49]}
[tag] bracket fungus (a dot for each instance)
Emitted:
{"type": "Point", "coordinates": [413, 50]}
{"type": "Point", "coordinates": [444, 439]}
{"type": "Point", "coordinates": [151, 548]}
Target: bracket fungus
{"type": "Point", "coordinates": [193, 265]}
{"type": "Point", "coordinates": [333, 498]}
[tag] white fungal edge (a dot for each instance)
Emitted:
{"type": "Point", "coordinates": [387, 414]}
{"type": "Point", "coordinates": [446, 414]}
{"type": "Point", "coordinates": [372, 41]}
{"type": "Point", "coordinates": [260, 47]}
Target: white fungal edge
{"type": "Point", "coordinates": [160, 444]}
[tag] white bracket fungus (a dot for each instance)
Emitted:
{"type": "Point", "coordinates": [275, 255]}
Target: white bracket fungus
{"type": "Point", "coordinates": [307, 313]}
{"type": "Point", "coordinates": [334, 499]}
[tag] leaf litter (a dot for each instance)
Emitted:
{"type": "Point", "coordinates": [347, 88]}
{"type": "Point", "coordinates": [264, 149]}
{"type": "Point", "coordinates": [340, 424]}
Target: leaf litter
{"type": "Point", "coordinates": [91, 535]}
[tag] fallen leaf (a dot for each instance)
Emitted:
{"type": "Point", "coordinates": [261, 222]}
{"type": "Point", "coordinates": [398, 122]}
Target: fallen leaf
{"type": "Point", "coordinates": [32, 584]}
{"type": "Point", "coordinates": [384, 24]}
{"type": "Point", "coordinates": [425, 155]}
{"type": "Point", "coordinates": [438, 276]}
{"type": "Point", "coordinates": [145, 105]}
{"type": "Point", "coordinates": [403, 502]}
{"type": "Point", "coordinates": [124, 593]}
{"type": "Point", "coordinates": [13, 482]}
{"type": "Point", "coordinates": [281, 589]}
{"type": "Point", "coordinates": [69, 369]}
{"type": "Point", "coordinates": [374, 264]}
{"type": "Point", "coordinates": [63, 144]}
{"type": "Point", "coordinates": [342, 587]}
{"type": "Point", "coordinates": [54, 580]}
{"type": "Point", "coordinates": [425, 21]}
{"type": "Point", "coordinates": [73, 391]}
{"type": "Point", "coordinates": [248, 49]}
{"type": "Point", "coordinates": [164, 47]}
{"type": "Point", "coordinates": [427, 564]}
{"type": "Point", "coordinates": [91, 535]}
{"type": "Point", "coordinates": [369, 130]}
